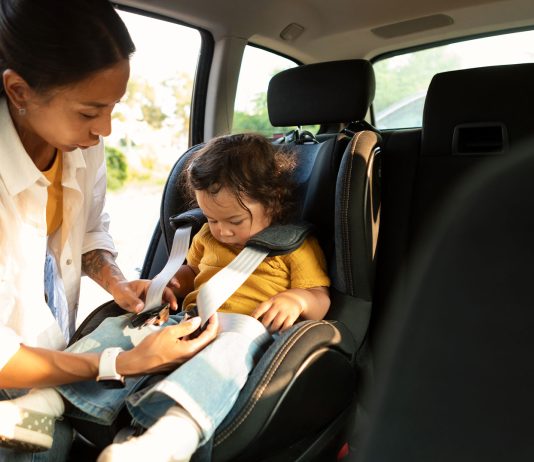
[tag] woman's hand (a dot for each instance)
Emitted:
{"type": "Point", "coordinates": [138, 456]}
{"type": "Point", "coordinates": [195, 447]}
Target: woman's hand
{"type": "Point", "coordinates": [167, 348]}
{"type": "Point", "coordinates": [100, 266]}
{"type": "Point", "coordinates": [129, 295]}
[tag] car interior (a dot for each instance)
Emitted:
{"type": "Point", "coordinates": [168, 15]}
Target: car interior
{"type": "Point", "coordinates": [425, 227]}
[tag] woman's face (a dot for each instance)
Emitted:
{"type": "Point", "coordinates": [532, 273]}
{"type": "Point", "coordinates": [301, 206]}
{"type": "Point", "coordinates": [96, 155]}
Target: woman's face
{"type": "Point", "coordinates": [75, 116]}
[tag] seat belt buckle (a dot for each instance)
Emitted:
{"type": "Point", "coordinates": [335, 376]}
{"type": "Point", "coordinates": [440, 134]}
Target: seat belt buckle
{"type": "Point", "coordinates": [155, 316]}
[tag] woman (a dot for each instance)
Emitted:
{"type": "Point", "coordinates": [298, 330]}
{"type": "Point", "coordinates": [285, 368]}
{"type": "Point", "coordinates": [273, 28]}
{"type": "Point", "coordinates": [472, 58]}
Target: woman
{"type": "Point", "coordinates": [64, 65]}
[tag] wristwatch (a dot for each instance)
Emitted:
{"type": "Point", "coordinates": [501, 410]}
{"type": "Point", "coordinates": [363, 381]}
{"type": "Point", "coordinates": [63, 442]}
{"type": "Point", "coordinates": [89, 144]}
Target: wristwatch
{"type": "Point", "coordinates": [107, 371]}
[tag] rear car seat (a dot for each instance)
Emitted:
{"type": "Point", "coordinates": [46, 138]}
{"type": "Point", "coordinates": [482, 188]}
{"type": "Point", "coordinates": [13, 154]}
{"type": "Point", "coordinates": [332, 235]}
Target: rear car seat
{"type": "Point", "coordinates": [472, 118]}
{"type": "Point", "coordinates": [456, 353]}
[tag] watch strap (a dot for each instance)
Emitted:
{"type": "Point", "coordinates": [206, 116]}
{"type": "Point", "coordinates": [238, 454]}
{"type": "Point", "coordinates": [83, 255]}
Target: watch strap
{"type": "Point", "coordinates": [107, 368]}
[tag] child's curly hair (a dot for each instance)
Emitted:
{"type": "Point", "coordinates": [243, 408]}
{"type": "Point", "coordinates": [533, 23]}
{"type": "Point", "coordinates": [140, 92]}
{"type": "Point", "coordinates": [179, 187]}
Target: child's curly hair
{"type": "Point", "coordinates": [249, 166]}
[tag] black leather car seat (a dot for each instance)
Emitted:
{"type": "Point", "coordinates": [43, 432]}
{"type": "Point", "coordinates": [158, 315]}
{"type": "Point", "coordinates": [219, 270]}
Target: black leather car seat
{"type": "Point", "coordinates": [473, 118]}
{"type": "Point", "coordinates": [300, 399]}
{"type": "Point", "coordinates": [456, 352]}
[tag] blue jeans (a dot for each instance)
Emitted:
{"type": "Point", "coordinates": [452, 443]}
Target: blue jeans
{"type": "Point", "coordinates": [59, 451]}
{"type": "Point", "coordinates": [206, 386]}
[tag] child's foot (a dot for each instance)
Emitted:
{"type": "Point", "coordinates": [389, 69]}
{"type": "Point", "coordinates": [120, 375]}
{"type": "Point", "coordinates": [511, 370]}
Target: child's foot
{"type": "Point", "coordinates": [173, 438]}
{"type": "Point", "coordinates": [24, 429]}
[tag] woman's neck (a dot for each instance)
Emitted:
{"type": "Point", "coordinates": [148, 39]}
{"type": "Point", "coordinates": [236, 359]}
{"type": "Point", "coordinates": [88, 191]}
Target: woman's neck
{"type": "Point", "coordinates": [41, 153]}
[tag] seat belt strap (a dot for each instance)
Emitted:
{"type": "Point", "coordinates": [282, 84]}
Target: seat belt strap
{"type": "Point", "coordinates": [180, 245]}
{"type": "Point", "coordinates": [214, 292]}
{"type": "Point", "coordinates": [273, 240]}
{"type": "Point", "coordinates": [223, 284]}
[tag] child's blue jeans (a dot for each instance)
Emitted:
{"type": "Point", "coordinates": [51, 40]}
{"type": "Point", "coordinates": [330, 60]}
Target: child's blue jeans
{"type": "Point", "coordinates": [206, 386]}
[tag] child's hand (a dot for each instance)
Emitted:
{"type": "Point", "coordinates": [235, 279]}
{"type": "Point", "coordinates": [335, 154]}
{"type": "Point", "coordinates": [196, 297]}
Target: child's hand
{"type": "Point", "coordinates": [281, 311]}
{"type": "Point", "coordinates": [183, 281]}
{"type": "Point", "coordinates": [174, 284]}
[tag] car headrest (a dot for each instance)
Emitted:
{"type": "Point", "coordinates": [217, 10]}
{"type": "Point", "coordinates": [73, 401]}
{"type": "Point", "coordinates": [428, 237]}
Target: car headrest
{"type": "Point", "coordinates": [322, 93]}
{"type": "Point", "coordinates": [478, 111]}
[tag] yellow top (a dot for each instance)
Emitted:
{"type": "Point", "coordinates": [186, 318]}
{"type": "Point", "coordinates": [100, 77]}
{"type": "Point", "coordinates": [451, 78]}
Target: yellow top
{"type": "Point", "coordinates": [54, 204]}
{"type": "Point", "coordinates": [303, 268]}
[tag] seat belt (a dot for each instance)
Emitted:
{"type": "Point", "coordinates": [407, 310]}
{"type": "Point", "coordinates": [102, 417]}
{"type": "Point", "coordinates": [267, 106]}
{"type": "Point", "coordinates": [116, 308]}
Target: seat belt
{"type": "Point", "coordinates": [272, 241]}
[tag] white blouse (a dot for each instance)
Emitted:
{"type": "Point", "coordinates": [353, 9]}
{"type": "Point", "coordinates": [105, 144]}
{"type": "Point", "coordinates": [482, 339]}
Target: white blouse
{"type": "Point", "coordinates": [24, 315]}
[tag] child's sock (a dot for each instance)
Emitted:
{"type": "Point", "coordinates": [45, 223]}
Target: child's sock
{"type": "Point", "coordinates": [44, 400]}
{"type": "Point", "coordinates": [174, 437]}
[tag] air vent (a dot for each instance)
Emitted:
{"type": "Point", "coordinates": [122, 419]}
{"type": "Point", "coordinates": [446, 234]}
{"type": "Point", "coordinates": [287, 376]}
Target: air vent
{"type": "Point", "coordinates": [413, 25]}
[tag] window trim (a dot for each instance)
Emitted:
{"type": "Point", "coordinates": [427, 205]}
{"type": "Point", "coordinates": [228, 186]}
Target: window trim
{"type": "Point", "coordinates": [270, 50]}
{"type": "Point", "coordinates": [200, 88]}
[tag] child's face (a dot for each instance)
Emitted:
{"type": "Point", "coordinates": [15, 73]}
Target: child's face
{"type": "Point", "coordinates": [229, 222]}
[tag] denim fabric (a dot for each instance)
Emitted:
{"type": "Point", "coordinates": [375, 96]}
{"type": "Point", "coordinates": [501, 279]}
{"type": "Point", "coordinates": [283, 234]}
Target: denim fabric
{"type": "Point", "coordinates": [55, 298]}
{"type": "Point", "coordinates": [263, 366]}
{"type": "Point", "coordinates": [60, 449]}
{"type": "Point", "coordinates": [91, 400]}
{"type": "Point", "coordinates": [207, 385]}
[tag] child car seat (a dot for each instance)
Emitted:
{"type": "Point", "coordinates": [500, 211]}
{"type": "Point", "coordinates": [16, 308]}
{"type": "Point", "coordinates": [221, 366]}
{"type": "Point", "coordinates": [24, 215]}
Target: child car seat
{"type": "Point", "coordinates": [300, 399]}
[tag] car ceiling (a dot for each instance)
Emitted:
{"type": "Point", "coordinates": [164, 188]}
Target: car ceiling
{"type": "Point", "coordinates": [341, 29]}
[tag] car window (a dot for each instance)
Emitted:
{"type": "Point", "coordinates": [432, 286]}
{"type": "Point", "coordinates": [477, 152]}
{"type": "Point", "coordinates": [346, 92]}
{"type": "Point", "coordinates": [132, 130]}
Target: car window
{"type": "Point", "coordinates": [250, 110]}
{"type": "Point", "coordinates": [150, 131]}
{"type": "Point", "coordinates": [402, 80]}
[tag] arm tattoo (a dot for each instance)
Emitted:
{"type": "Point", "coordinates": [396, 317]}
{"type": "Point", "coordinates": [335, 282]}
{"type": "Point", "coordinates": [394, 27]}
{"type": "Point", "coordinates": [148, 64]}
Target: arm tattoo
{"type": "Point", "coordinates": [100, 266]}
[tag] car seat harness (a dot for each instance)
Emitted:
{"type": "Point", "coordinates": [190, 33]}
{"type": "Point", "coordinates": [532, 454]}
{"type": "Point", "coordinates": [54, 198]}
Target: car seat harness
{"type": "Point", "coordinates": [279, 239]}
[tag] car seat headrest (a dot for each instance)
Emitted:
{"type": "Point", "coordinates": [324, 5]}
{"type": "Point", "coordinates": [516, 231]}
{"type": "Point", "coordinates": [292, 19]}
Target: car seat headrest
{"type": "Point", "coordinates": [321, 93]}
{"type": "Point", "coordinates": [278, 239]}
{"type": "Point", "coordinates": [478, 111]}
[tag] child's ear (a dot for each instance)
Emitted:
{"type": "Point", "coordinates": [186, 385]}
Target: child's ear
{"type": "Point", "coordinates": [16, 88]}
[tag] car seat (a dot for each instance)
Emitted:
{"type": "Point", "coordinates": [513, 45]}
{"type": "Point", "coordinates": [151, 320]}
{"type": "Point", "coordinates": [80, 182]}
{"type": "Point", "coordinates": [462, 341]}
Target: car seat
{"type": "Point", "coordinates": [457, 377]}
{"type": "Point", "coordinates": [463, 130]}
{"type": "Point", "coordinates": [299, 401]}
{"type": "Point", "coordinates": [464, 133]}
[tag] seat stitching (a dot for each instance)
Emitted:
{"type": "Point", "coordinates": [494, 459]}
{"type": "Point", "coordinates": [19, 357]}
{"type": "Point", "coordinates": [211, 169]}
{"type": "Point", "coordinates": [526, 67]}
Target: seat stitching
{"type": "Point", "coordinates": [265, 381]}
